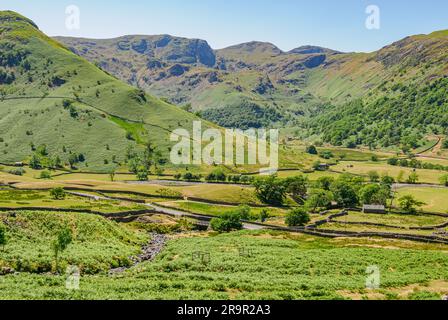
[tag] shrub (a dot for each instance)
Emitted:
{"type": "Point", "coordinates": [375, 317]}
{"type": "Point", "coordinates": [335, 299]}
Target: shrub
{"type": "Point", "coordinates": [45, 175]}
{"type": "Point", "coordinates": [311, 150]}
{"type": "Point", "coordinates": [58, 193]}
{"type": "Point", "coordinates": [227, 222]}
{"type": "Point", "coordinates": [444, 180]}
{"type": "Point", "coordinates": [297, 217]}
{"type": "Point", "coordinates": [17, 171]}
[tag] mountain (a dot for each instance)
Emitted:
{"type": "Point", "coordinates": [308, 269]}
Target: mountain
{"type": "Point", "coordinates": [221, 84]}
{"type": "Point", "coordinates": [385, 98]}
{"type": "Point", "coordinates": [394, 96]}
{"type": "Point", "coordinates": [51, 96]}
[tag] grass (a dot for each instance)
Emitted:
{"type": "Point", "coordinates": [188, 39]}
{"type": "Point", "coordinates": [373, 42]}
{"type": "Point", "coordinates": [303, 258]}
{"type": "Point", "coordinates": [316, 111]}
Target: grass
{"type": "Point", "coordinates": [42, 199]}
{"type": "Point", "coordinates": [339, 226]}
{"type": "Point", "coordinates": [106, 108]}
{"type": "Point", "coordinates": [435, 199]}
{"type": "Point", "coordinates": [98, 244]}
{"type": "Point", "coordinates": [208, 209]}
{"type": "Point", "coordinates": [398, 220]}
{"type": "Point", "coordinates": [279, 266]}
{"type": "Point", "coordinates": [363, 168]}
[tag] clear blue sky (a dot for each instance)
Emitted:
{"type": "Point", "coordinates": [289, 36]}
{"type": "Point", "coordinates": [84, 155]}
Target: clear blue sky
{"type": "Point", "coordinates": [337, 24]}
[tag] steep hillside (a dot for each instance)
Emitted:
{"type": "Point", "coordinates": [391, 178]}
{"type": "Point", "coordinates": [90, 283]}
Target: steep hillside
{"type": "Point", "coordinates": [189, 73]}
{"type": "Point", "coordinates": [391, 97]}
{"type": "Point", "coordinates": [48, 95]}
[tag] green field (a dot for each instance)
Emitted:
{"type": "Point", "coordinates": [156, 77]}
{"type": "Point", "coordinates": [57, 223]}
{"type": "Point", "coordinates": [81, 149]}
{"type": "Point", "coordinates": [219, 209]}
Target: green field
{"type": "Point", "coordinates": [42, 199]}
{"type": "Point", "coordinates": [435, 199]}
{"type": "Point", "coordinates": [274, 266]}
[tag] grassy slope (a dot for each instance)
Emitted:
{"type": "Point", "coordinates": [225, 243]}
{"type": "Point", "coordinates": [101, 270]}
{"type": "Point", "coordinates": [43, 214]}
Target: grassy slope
{"type": "Point", "coordinates": [304, 263]}
{"type": "Point", "coordinates": [98, 245]}
{"type": "Point", "coordinates": [100, 96]}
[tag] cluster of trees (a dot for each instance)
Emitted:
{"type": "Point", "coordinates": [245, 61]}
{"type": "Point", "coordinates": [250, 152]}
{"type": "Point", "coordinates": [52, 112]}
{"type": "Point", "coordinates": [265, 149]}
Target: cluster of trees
{"type": "Point", "coordinates": [7, 77]}
{"type": "Point", "coordinates": [400, 119]}
{"type": "Point", "coordinates": [217, 175]}
{"type": "Point", "coordinates": [41, 159]}
{"type": "Point", "coordinates": [142, 162]}
{"type": "Point", "coordinates": [188, 176]}
{"type": "Point", "coordinates": [346, 191]}
{"type": "Point", "coordinates": [11, 55]}
{"type": "Point", "coordinates": [416, 164]}
{"type": "Point", "coordinates": [273, 190]}
{"type": "Point", "coordinates": [244, 115]}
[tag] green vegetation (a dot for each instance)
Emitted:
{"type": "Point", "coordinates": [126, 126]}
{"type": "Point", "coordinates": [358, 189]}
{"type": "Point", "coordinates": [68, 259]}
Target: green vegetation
{"type": "Point", "coordinates": [97, 244]}
{"type": "Point", "coordinates": [297, 217]}
{"type": "Point", "coordinates": [80, 105]}
{"type": "Point", "coordinates": [60, 244]}
{"type": "Point", "coordinates": [409, 204]}
{"type": "Point", "coordinates": [303, 262]}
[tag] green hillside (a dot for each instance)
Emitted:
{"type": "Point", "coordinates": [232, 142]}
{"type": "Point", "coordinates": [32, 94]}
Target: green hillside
{"type": "Point", "coordinates": [98, 244]}
{"type": "Point", "coordinates": [48, 95]}
{"type": "Point", "coordinates": [394, 96]}
{"type": "Point", "coordinates": [376, 99]}
{"type": "Point", "coordinates": [189, 73]}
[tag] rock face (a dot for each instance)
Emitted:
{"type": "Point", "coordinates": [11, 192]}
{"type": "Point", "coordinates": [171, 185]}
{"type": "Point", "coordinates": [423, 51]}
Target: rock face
{"type": "Point", "coordinates": [314, 61]}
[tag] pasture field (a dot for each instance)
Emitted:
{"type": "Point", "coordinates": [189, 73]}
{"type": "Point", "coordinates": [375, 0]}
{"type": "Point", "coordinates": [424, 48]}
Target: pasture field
{"type": "Point", "coordinates": [212, 209]}
{"type": "Point", "coordinates": [42, 199]}
{"type": "Point", "coordinates": [363, 168]}
{"type": "Point", "coordinates": [256, 265]}
{"type": "Point", "coordinates": [435, 199]}
{"type": "Point", "coordinates": [399, 220]}
{"type": "Point", "coordinates": [341, 226]}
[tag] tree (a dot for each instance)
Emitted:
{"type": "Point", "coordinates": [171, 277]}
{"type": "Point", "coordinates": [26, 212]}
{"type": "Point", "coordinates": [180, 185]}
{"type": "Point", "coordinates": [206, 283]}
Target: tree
{"type": "Point", "coordinates": [73, 160]}
{"type": "Point", "coordinates": [142, 173]}
{"type": "Point", "coordinates": [311, 150]}
{"type": "Point", "coordinates": [112, 174]}
{"type": "Point", "coordinates": [324, 183]}
{"type": "Point", "coordinates": [445, 143]}
{"type": "Point", "coordinates": [264, 215]}
{"type": "Point", "coordinates": [58, 193]}
{"type": "Point", "coordinates": [3, 239]}
{"type": "Point", "coordinates": [227, 222]}
{"type": "Point", "coordinates": [444, 180]}
{"type": "Point", "coordinates": [387, 181]}
{"type": "Point", "coordinates": [408, 204]}
{"type": "Point", "coordinates": [297, 187]}
{"type": "Point", "coordinates": [373, 176]}
{"type": "Point", "coordinates": [374, 194]}
{"type": "Point", "coordinates": [297, 217]}
{"type": "Point", "coordinates": [35, 162]}
{"type": "Point", "coordinates": [344, 193]}
{"type": "Point", "coordinates": [270, 190]}
{"type": "Point", "coordinates": [62, 241]}
{"type": "Point", "coordinates": [319, 199]}
{"type": "Point", "coordinates": [413, 178]}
